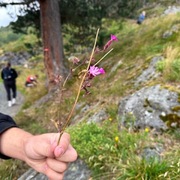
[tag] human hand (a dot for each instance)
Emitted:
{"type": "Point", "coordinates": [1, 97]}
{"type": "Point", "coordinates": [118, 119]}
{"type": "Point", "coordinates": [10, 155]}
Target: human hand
{"type": "Point", "coordinates": [45, 156]}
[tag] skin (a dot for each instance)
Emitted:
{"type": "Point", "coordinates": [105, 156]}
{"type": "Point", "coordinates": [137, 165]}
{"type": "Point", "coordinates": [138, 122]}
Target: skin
{"type": "Point", "coordinates": [41, 152]}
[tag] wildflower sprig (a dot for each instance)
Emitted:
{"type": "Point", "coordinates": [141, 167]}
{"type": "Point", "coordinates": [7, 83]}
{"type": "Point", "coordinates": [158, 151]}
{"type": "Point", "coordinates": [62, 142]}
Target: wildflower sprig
{"type": "Point", "coordinates": [89, 73]}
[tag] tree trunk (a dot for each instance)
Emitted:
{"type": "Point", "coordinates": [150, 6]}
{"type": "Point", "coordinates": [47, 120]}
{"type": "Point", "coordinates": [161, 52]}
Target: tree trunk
{"type": "Point", "coordinates": [52, 39]}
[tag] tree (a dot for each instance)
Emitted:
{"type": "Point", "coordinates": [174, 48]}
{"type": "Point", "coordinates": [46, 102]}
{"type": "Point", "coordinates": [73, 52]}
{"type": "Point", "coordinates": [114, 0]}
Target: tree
{"type": "Point", "coordinates": [52, 39]}
{"type": "Point", "coordinates": [84, 15]}
{"type": "Point", "coordinates": [51, 36]}
{"type": "Point", "coordinates": [81, 18]}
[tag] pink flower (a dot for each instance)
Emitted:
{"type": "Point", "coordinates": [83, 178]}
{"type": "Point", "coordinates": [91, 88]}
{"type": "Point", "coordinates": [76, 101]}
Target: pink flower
{"type": "Point", "coordinates": [95, 71]}
{"type": "Point", "coordinates": [113, 38]}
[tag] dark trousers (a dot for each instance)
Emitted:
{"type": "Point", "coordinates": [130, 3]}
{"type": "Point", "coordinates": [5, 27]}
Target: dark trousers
{"type": "Point", "coordinates": [10, 85]}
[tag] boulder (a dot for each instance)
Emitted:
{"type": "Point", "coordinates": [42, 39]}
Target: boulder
{"type": "Point", "coordinates": [149, 107]}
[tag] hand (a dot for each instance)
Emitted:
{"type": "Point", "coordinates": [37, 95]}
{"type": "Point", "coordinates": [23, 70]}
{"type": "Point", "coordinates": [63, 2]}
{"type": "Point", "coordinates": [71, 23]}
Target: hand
{"type": "Point", "coordinates": [45, 156]}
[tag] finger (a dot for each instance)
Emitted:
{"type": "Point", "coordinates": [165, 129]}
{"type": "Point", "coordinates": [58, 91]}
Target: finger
{"type": "Point", "coordinates": [69, 156]}
{"type": "Point", "coordinates": [56, 165]}
{"type": "Point", "coordinates": [63, 145]}
{"type": "Point", "coordinates": [51, 174]}
{"type": "Point", "coordinates": [41, 146]}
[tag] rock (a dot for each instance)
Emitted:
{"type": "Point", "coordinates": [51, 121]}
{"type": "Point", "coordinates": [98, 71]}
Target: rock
{"type": "Point", "coordinates": [115, 67]}
{"type": "Point", "coordinates": [20, 58]}
{"type": "Point", "coordinates": [76, 171]}
{"type": "Point", "coordinates": [152, 153]}
{"type": "Point", "coordinates": [172, 10]}
{"type": "Point", "coordinates": [150, 72]}
{"type": "Point", "coordinates": [170, 32]}
{"type": "Point", "coordinates": [167, 34]}
{"type": "Point", "coordinates": [147, 106]}
{"type": "Point", "coordinates": [98, 117]}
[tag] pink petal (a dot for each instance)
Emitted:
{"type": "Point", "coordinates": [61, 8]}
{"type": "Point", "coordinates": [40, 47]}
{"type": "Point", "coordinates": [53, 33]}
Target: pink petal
{"type": "Point", "coordinates": [101, 70]}
{"type": "Point", "coordinates": [114, 38]}
{"type": "Point", "coordinates": [107, 44]}
{"type": "Point", "coordinates": [95, 71]}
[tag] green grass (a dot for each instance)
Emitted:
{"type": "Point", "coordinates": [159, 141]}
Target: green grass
{"type": "Point", "coordinates": [120, 159]}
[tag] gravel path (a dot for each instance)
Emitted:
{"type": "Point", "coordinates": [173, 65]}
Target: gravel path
{"type": "Point", "coordinates": [12, 111]}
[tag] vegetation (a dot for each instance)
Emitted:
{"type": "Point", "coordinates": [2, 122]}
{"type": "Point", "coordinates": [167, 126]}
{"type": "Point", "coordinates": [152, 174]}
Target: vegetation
{"type": "Point", "coordinates": [110, 151]}
{"type": "Point", "coordinates": [7, 35]}
{"type": "Point", "coordinates": [113, 154]}
{"type": "Point", "coordinates": [12, 42]}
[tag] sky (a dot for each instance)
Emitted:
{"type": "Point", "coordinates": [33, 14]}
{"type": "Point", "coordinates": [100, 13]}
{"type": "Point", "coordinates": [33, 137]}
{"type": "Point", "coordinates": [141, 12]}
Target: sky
{"type": "Point", "coordinates": [5, 19]}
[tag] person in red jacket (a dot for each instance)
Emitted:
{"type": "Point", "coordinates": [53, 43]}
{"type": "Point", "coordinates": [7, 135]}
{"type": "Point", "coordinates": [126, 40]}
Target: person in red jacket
{"type": "Point", "coordinates": [31, 81]}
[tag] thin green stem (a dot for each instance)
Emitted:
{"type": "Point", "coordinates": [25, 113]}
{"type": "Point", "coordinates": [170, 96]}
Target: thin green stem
{"type": "Point", "coordinates": [79, 90]}
{"type": "Point", "coordinates": [103, 57]}
{"type": "Point", "coordinates": [66, 80]}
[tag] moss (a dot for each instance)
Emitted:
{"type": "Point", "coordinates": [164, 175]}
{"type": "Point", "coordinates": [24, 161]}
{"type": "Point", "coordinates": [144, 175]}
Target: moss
{"type": "Point", "coordinates": [171, 119]}
{"type": "Point", "coordinates": [178, 98]}
{"type": "Point", "coordinates": [146, 103]}
{"type": "Point", "coordinates": [175, 108]}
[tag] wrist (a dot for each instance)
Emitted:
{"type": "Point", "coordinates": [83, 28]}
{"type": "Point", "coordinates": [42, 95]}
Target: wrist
{"type": "Point", "coordinates": [25, 142]}
{"type": "Point", "coordinates": [12, 143]}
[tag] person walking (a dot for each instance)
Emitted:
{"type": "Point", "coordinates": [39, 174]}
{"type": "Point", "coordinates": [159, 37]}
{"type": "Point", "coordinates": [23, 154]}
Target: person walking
{"type": "Point", "coordinates": [9, 76]}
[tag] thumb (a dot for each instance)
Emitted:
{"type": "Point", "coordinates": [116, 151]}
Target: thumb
{"type": "Point", "coordinates": [41, 146]}
{"type": "Point", "coordinates": [63, 145]}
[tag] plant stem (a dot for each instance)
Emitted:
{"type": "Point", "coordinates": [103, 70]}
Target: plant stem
{"type": "Point", "coordinates": [103, 57]}
{"type": "Point", "coordinates": [79, 90]}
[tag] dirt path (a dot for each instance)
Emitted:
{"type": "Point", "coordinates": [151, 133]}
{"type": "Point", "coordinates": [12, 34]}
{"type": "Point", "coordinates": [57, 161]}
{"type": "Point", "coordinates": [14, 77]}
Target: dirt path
{"type": "Point", "coordinates": [12, 111]}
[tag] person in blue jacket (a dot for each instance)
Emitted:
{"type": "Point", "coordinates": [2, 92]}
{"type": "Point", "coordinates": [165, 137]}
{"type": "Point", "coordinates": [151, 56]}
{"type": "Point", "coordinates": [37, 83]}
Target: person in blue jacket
{"type": "Point", "coordinates": [41, 152]}
{"type": "Point", "coordinates": [141, 17]}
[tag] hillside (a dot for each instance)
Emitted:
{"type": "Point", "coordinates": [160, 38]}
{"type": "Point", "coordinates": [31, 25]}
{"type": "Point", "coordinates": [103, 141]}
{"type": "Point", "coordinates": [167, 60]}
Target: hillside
{"type": "Point", "coordinates": [115, 138]}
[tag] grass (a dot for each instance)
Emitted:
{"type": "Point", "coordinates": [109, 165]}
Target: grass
{"type": "Point", "coordinates": [120, 158]}
{"type": "Point", "coordinates": [171, 65]}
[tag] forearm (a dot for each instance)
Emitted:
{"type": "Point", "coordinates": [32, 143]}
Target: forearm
{"type": "Point", "coordinates": [12, 143]}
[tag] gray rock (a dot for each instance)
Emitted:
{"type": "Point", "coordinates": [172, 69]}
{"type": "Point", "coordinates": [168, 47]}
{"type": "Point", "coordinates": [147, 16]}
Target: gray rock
{"type": "Point", "coordinates": [167, 34]}
{"type": "Point", "coordinates": [76, 171]}
{"type": "Point", "coordinates": [150, 72]}
{"type": "Point", "coordinates": [170, 32]}
{"type": "Point", "coordinates": [152, 153]}
{"type": "Point", "coordinates": [20, 58]}
{"type": "Point", "coordinates": [98, 117]}
{"type": "Point", "coordinates": [32, 175]}
{"type": "Point", "coordinates": [147, 106]}
{"type": "Point", "coordinates": [115, 67]}
{"type": "Point", "coordinates": [172, 10]}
